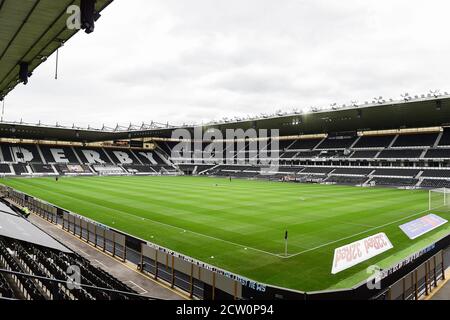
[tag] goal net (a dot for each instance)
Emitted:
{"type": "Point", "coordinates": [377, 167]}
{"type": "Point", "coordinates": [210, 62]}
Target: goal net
{"type": "Point", "coordinates": [439, 199]}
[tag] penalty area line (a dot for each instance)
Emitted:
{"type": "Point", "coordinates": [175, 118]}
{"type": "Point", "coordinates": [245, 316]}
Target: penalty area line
{"type": "Point", "coordinates": [349, 237]}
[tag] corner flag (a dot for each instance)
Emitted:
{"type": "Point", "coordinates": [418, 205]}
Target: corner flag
{"type": "Point", "coordinates": [285, 242]}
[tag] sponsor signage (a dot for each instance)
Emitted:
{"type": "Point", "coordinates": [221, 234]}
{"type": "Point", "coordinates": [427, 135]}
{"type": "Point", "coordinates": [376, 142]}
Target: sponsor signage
{"type": "Point", "coordinates": [418, 227]}
{"type": "Point", "coordinates": [356, 252]}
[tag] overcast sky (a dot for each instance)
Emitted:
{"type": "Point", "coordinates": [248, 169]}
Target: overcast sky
{"type": "Point", "coordinates": [183, 61]}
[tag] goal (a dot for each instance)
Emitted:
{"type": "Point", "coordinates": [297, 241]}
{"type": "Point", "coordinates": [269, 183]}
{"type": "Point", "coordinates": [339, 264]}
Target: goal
{"type": "Point", "coordinates": [439, 199]}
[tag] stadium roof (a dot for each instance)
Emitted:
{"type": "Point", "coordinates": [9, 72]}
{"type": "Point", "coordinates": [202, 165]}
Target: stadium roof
{"type": "Point", "coordinates": [15, 226]}
{"type": "Point", "coordinates": [420, 113]}
{"type": "Point", "coordinates": [409, 113]}
{"type": "Point", "coordinates": [30, 31]}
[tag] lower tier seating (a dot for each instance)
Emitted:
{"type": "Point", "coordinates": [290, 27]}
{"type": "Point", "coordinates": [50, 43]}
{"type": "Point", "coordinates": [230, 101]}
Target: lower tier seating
{"type": "Point", "coordinates": [49, 264]}
{"type": "Point", "coordinates": [42, 168]}
{"type": "Point", "coordinates": [435, 183]}
{"type": "Point", "coordinates": [395, 182]}
{"type": "Point", "coordinates": [352, 180]}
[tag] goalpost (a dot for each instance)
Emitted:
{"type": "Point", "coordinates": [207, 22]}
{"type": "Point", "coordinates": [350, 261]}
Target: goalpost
{"type": "Point", "coordinates": [439, 199]}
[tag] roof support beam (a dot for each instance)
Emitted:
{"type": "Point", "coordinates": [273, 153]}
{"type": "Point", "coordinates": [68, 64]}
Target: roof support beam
{"type": "Point", "coordinates": [39, 39]}
{"type": "Point", "coordinates": [8, 82]}
{"type": "Point", "coordinates": [20, 28]}
{"type": "Point", "coordinates": [2, 2]}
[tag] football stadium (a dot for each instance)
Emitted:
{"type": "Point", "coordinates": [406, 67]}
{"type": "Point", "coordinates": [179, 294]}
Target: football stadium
{"type": "Point", "coordinates": [346, 202]}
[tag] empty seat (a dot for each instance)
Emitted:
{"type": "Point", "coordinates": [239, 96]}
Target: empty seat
{"type": "Point", "coordinates": [304, 144]}
{"type": "Point", "coordinates": [20, 168]}
{"type": "Point", "coordinates": [416, 140]}
{"type": "Point", "coordinates": [58, 154]}
{"type": "Point", "coordinates": [92, 155]}
{"type": "Point", "coordinates": [363, 154]}
{"type": "Point", "coordinates": [42, 168]}
{"type": "Point", "coordinates": [355, 171]}
{"type": "Point", "coordinates": [288, 154]}
{"type": "Point", "coordinates": [435, 183]}
{"type": "Point", "coordinates": [437, 153]}
{"type": "Point", "coordinates": [373, 142]}
{"type": "Point", "coordinates": [399, 182]}
{"type": "Point", "coordinates": [400, 154]}
{"type": "Point", "coordinates": [316, 170]}
{"type": "Point", "coordinates": [23, 153]}
{"type": "Point", "coordinates": [352, 180]}
{"type": "Point", "coordinates": [396, 172]}
{"type": "Point", "coordinates": [445, 139]}
{"type": "Point", "coordinates": [5, 168]}
{"type": "Point", "coordinates": [436, 173]}
{"type": "Point", "coordinates": [307, 154]}
{"type": "Point", "coordinates": [337, 143]}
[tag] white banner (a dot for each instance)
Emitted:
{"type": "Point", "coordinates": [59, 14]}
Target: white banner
{"type": "Point", "coordinates": [359, 251]}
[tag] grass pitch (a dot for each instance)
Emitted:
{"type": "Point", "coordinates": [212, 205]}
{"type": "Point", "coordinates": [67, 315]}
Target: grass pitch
{"type": "Point", "coordinates": [239, 225]}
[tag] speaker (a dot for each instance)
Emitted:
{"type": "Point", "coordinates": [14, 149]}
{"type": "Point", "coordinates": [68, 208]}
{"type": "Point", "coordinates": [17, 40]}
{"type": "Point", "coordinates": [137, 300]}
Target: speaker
{"type": "Point", "coordinates": [23, 72]}
{"type": "Point", "coordinates": [88, 15]}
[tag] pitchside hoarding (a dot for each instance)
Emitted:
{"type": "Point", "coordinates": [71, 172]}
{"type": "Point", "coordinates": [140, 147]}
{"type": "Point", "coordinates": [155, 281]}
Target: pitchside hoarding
{"type": "Point", "coordinates": [356, 252]}
{"type": "Point", "coordinates": [422, 225]}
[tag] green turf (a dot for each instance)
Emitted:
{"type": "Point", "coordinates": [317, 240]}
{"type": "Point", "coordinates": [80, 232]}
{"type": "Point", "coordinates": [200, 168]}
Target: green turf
{"type": "Point", "coordinates": [239, 225]}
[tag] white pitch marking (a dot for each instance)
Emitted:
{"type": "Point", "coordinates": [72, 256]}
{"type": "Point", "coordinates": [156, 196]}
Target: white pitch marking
{"type": "Point", "coordinates": [137, 286]}
{"type": "Point", "coordinates": [99, 262]}
{"type": "Point", "coordinates": [356, 234]}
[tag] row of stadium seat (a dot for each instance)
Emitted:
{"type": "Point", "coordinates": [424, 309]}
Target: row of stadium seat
{"type": "Point", "coordinates": [46, 154]}
{"type": "Point", "coordinates": [340, 142]}
{"type": "Point", "coordinates": [20, 169]}
{"type": "Point", "coordinates": [26, 258]}
{"type": "Point", "coordinates": [344, 175]}
{"type": "Point", "coordinates": [317, 154]}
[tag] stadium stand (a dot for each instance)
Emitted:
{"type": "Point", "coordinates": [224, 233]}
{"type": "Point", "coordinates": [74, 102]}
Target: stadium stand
{"type": "Point", "coordinates": [374, 142]}
{"type": "Point", "coordinates": [348, 180]}
{"type": "Point", "coordinates": [366, 154]}
{"type": "Point", "coordinates": [336, 143]}
{"type": "Point", "coordinates": [395, 181]}
{"type": "Point", "coordinates": [307, 154]}
{"type": "Point", "coordinates": [27, 153]}
{"type": "Point", "coordinates": [435, 183]}
{"type": "Point", "coordinates": [5, 168]}
{"type": "Point", "coordinates": [285, 144]}
{"type": "Point", "coordinates": [92, 156]}
{"type": "Point", "coordinates": [445, 139]}
{"type": "Point", "coordinates": [6, 153]}
{"type": "Point", "coordinates": [72, 169]}
{"type": "Point", "coordinates": [352, 171]}
{"type": "Point", "coordinates": [58, 154]}
{"type": "Point", "coordinates": [289, 154]}
{"type": "Point", "coordinates": [396, 172]}
{"type": "Point", "coordinates": [400, 154]}
{"type": "Point", "coordinates": [39, 273]}
{"type": "Point", "coordinates": [316, 170]}
{"type": "Point", "coordinates": [416, 140]}
{"type": "Point", "coordinates": [436, 174]}
{"type": "Point", "coordinates": [105, 169]}
{"type": "Point", "coordinates": [42, 168]}
{"type": "Point", "coordinates": [437, 154]}
{"type": "Point", "coordinates": [304, 144]}
{"type": "Point", "coordinates": [20, 169]}
{"type": "Point", "coordinates": [139, 169]}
